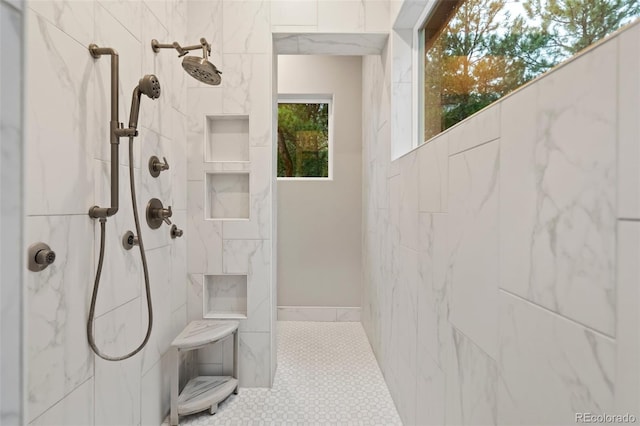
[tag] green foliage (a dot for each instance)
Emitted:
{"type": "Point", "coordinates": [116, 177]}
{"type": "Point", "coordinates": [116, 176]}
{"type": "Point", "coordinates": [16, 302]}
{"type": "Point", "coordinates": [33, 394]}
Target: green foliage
{"type": "Point", "coordinates": [303, 135]}
{"type": "Point", "coordinates": [484, 53]}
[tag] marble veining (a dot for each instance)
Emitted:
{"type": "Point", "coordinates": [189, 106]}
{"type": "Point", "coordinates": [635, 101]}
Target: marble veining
{"type": "Point", "coordinates": [204, 331]}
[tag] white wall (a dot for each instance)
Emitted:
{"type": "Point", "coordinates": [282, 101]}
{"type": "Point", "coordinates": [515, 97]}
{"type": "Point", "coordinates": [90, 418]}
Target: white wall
{"type": "Point", "coordinates": [319, 222]}
{"type": "Point", "coordinates": [500, 258]}
{"type": "Point", "coordinates": [67, 156]}
{"type": "Point", "coordinates": [11, 211]}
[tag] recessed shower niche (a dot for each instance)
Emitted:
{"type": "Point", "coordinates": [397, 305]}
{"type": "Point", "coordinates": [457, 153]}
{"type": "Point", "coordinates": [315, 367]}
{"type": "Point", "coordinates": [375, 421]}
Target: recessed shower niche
{"type": "Point", "coordinates": [225, 296]}
{"type": "Point", "coordinates": [227, 138]}
{"type": "Point", "coordinates": [227, 195]}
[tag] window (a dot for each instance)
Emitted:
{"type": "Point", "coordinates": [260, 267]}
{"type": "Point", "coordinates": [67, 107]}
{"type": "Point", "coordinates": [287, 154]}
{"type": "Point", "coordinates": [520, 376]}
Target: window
{"type": "Point", "coordinates": [477, 51]}
{"type": "Point", "coordinates": [304, 137]}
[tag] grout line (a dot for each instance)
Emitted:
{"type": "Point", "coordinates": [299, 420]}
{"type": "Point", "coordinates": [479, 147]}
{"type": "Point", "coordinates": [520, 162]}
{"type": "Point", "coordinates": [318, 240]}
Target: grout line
{"type": "Point", "coordinates": [474, 147]}
{"type": "Point", "coordinates": [117, 307]}
{"type": "Point", "coordinates": [558, 315]}
{"type": "Point", "coordinates": [64, 397]}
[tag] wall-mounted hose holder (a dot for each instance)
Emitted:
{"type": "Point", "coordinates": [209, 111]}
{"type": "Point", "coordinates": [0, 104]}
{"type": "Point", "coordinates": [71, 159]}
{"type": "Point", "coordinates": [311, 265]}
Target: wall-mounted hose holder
{"type": "Point", "coordinates": [39, 256]}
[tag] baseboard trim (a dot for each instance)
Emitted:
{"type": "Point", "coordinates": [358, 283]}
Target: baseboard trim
{"type": "Point", "coordinates": [318, 313]}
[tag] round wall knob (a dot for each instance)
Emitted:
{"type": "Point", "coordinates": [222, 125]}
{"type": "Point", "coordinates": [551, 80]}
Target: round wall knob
{"type": "Point", "coordinates": [39, 256]}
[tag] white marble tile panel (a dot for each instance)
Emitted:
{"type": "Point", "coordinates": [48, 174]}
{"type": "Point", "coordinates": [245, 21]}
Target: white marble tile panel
{"type": "Point", "coordinates": [483, 126]}
{"type": "Point", "coordinates": [628, 105]}
{"type": "Point", "coordinates": [471, 384]}
{"type": "Point", "coordinates": [155, 114]}
{"type": "Point", "coordinates": [403, 318]}
{"type": "Point", "coordinates": [434, 331]}
{"type": "Point", "coordinates": [117, 384]}
{"type": "Point", "coordinates": [294, 13]}
{"type": "Point", "coordinates": [558, 206]}
{"type": "Point", "coordinates": [259, 224]}
{"type": "Point", "coordinates": [162, 333]}
{"type": "Point", "coordinates": [127, 12]}
{"type": "Point", "coordinates": [178, 161]}
{"type": "Point", "coordinates": [401, 121]}
{"type": "Point", "coordinates": [111, 33]}
{"type": "Point", "coordinates": [246, 27]}
{"type": "Point", "coordinates": [11, 212]}
{"type": "Point", "coordinates": [341, 16]}
{"type": "Point", "coordinates": [409, 200]}
{"type": "Point", "coordinates": [56, 132]}
{"type": "Point", "coordinates": [430, 393]}
{"type": "Point", "coordinates": [74, 18]}
{"type": "Point", "coordinates": [434, 174]}
{"type": "Point", "coordinates": [253, 258]}
{"type": "Point", "coordinates": [569, 369]}
{"type": "Point", "coordinates": [204, 246]}
{"type": "Point", "coordinates": [376, 15]}
{"type": "Point", "coordinates": [329, 43]}
{"type": "Point", "coordinates": [156, 391]}
{"type": "Point", "coordinates": [178, 321]}
{"type": "Point", "coordinates": [402, 57]}
{"type": "Point", "coordinates": [245, 81]}
{"type": "Point", "coordinates": [254, 360]}
{"type": "Point", "coordinates": [160, 10]}
{"type": "Point", "coordinates": [200, 103]}
{"type": "Point", "coordinates": [58, 356]}
{"type": "Point", "coordinates": [205, 19]}
{"type": "Point", "coordinates": [178, 254]}
{"type": "Point", "coordinates": [627, 377]}
{"type": "Point", "coordinates": [195, 297]}
{"type": "Point", "coordinates": [121, 276]}
{"type": "Point", "coordinates": [473, 244]}
{"type": "Point", "coordinates": [76, 408]}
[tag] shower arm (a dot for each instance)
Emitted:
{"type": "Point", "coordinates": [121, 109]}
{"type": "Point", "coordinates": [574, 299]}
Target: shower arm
{"type": "Point", "coordinates": [116, 131]}
{"type": "Point", "coordinates": [204, 45]}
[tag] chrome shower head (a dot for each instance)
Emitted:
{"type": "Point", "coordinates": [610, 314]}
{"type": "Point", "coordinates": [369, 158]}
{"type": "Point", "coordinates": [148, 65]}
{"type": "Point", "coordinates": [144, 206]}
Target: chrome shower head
{"type": "Point", "coordinates": [202, 70]}
{"type": "Point", "coordinates": [150, 86]}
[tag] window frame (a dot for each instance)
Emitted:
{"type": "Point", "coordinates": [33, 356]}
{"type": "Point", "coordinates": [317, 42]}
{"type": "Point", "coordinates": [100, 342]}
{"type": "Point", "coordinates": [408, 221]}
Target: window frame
{"type": "Point", "coordinates": [306, 98]}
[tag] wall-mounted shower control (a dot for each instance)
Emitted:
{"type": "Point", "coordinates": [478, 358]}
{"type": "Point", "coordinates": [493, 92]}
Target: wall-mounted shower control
{"type": "Point", "coordinates": [175, 232]}
{"type": "Point", "coordinates": [40, 256]}
{"type": "Point", "coordinates": [156, 166]}
{"type": "Point", "coordinates": [129, 240]}
{"type": "Point", "coordinates": [156, 214]}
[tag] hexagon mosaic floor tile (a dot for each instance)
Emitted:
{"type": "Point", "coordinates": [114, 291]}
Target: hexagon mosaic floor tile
{"type": "Point", "coordinates": [327, 375]}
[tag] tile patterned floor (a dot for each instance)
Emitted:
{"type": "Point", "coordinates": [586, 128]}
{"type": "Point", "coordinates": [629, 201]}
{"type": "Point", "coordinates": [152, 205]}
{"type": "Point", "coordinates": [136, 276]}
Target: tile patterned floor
{"type": "Point", "coordinates": [327, 374]}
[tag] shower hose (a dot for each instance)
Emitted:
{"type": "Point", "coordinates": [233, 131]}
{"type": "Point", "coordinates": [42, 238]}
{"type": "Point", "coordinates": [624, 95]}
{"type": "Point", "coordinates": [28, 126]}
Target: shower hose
{"type": "Point", "coordinates": [96, 284]}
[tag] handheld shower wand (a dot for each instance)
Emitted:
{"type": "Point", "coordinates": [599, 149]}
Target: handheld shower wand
{"type": "Point", "coordinates": [150, 86]}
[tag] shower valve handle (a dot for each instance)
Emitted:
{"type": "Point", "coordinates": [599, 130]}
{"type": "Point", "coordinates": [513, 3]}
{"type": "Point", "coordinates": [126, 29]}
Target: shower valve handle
{"type": "Point", "coordinates": [156, 214]}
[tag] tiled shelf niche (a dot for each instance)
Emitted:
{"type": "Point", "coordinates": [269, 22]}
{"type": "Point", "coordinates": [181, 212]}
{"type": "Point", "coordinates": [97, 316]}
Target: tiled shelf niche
{"type": "Point", "coordinates": [227, 195]}
{"type": "Point", "coordinates": [227, 138]}
{"type": "Point", "coordinates": [225, 296]}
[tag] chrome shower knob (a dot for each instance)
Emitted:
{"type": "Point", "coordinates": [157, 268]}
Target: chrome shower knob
{"type": "Point", "coordinates": [40, 256]}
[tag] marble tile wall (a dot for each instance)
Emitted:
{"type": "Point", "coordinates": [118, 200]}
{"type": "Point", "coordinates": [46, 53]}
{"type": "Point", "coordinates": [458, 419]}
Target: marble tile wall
{"type": "Point", "coordinates": [229, 211]}
{"type": "Point", "coordinates": [67, 152]}
{"type": "Point", "coordinates": [527, 249]}
{"type": "Point", "coordinates": [11, 212]}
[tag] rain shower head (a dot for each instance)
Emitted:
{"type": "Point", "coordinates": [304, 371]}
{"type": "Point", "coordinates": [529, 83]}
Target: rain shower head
{"type": "Point", "coordinates": [202, 70]}
{"type": "Point", "coordinates": [199, 68]}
